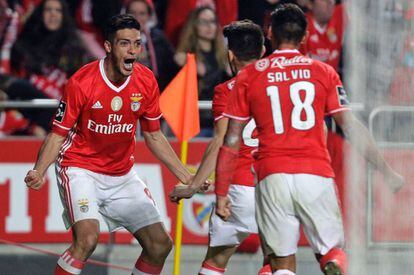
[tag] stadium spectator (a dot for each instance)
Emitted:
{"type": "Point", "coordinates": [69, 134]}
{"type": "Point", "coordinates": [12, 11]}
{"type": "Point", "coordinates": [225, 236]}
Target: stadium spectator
{"type": "Point", "coordinates": [326, 32]}
{"type": "Point", "coordinates": [48, 50]}
{"type": "Point", "coordinates": [176, 17]}
{"type": "Point", "coordinates": [91, 16]}
{"type": "Point", "coordinates": [157, 52]}
{"type": "Point", "coordinates": [288, 94]}
{"type": "Point", "coordinates": [202, 36]}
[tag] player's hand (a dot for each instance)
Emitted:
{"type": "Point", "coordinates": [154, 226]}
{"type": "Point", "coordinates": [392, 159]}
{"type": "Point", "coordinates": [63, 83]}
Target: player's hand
{"type": "Point", "coordinates": [182, 191]}
{"type": "Point", "coordinates": [207, 185]}
{"type": "Point", "coordinates": [394, 180]}
{"type": "Point", "coordinates": [223, 207]}
{"type": "Point", "coordinates": [34, 180]}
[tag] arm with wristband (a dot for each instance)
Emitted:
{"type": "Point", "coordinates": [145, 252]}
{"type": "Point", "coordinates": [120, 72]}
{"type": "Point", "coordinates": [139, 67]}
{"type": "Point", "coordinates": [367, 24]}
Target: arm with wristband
{"type": "Point", "coordinates": [226, 164]}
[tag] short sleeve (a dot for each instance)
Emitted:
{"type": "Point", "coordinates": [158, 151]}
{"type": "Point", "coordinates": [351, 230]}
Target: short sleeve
{"type": "Point", "coordinates": [221, 93]}
{"type": "Point", "coordinates": [150, 119]}
{"type": "Point", "coordinates": [69, 108]}
{"type": "Point", "coordinates": [237, 104]}
{"type": "Point", "coordinates": [337, 100]}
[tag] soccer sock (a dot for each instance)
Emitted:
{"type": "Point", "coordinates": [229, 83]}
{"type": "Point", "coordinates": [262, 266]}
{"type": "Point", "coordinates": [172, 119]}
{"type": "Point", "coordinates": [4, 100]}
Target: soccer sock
{"type": "Point", "coordinates": [336, 256]}
{"type": "Point", "coordinates": [283, 272]}
{"type": "Point", "coordinates": [68, 265]}
{"type": "Point", "coordinates": [265, 270]}
{"type": "Point", "coordinates": [144, 268]}
{"type": "Point", "coordinates": [207, 269]}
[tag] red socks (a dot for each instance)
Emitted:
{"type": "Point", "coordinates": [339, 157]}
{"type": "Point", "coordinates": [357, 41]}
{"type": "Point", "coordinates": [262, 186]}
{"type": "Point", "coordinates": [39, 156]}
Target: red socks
{"type": "Point", "coordinates": [336, 256]}
{"type": "Point", "coordinates": [207, 269]}
{"type": "Point", "coordinates": [144, 268]}
{"type": "Point", "coordinates": [67, 265]}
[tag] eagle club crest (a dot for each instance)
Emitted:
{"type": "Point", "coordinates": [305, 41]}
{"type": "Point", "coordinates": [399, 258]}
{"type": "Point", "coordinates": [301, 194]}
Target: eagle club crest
{"type": "Point", "coordinates": [136, 101]}
{"type": "Point", "coordinates": [83, 205]}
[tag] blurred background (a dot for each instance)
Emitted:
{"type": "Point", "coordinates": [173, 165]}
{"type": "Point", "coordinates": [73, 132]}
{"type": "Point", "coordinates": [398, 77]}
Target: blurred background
{"type": "Point", "coordinates": [369, 42]}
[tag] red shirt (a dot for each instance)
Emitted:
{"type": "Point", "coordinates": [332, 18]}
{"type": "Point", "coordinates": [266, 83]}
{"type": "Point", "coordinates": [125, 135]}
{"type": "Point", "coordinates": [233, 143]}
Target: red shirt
{"type": "Point", "coordinates": [288, 96]}
{"type": "Point", "coordinates": [99, 119]}
{"type": "Point", "coordinates": [243, 174]}
{"type": "Point", "coordinates": [325, 44]}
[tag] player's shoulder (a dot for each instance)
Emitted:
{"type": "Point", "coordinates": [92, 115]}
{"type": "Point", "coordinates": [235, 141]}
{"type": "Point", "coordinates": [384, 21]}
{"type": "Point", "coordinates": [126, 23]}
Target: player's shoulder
{"type": "Point", "coordinates": [225, 86]}
{"type": "Point", "coordinates": [324, 68]}
{"type": "Point", "coordinates": [143, 72]}
{"type": "Point", "coordinates": [86, 72]}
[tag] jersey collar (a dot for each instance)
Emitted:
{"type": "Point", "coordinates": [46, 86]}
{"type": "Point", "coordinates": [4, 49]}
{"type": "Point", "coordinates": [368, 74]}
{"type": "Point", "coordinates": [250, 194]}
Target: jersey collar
{"type": "Point", "coordinates": [286, 51]}
{"type": "Point", "coordinates": [108, 82]}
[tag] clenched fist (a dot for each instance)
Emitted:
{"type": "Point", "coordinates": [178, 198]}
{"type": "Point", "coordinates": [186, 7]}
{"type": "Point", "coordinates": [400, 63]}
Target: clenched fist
{"type": "Point", "coordinates": [34, 180]}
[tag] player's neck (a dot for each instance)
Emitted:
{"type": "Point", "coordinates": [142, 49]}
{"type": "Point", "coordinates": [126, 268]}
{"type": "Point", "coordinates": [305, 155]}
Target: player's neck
{"type": "Point", "coordinates": [287, 46]}
{"type": "Point", "coordinates": [112, 74]}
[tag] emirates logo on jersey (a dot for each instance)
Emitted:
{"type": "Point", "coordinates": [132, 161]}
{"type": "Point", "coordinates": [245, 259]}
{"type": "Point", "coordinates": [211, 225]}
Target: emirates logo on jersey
{"type": "Point", "coordinates": [116, 104]}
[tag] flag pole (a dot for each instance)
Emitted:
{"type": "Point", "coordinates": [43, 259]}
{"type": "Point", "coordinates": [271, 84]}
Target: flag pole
{"type": "Point", "coordinates": [179, 221]}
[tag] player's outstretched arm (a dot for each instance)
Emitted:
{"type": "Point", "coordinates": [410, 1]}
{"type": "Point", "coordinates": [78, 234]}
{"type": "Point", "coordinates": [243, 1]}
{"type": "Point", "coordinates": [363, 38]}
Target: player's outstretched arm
{"type": "Point", "coordinates": [47, 155]}
{"type": "Point", "coordinates": [363, 141]}
{"type": "Point", "coordinates": [162, 150]}
{"type": "Point", "coordinates": [226, 164]}
{"type": "Point", "coordinates": [207, 165]}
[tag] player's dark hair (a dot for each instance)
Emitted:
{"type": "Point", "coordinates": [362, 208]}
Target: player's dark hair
{"type": "Point", "coordinates": [245, 39]}
{"type": "Point", "coordinates": [289, 24]}
{"type": "Point", "coordinates": [120, 22]}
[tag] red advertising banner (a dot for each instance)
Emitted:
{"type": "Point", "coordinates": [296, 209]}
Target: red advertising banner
{"type": "Point", "coordinates": [35, 216]}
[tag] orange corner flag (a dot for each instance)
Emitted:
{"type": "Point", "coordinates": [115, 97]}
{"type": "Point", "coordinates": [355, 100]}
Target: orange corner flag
{"type": "Point", "coordinates": [179, 102]}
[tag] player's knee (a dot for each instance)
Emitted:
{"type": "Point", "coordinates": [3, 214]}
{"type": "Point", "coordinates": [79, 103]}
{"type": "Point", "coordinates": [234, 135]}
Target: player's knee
{"type": "Point", "coordinates": [159, 249]}
{"type": "Point", "coordinates": [87, 243]}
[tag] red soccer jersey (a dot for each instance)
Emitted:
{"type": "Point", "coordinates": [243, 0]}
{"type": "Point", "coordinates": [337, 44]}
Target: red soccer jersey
{"type": "Point", "coordinates": [325, 44]}
{"type": "Point", "coordinates": [99, 119]}
{"type": "Point", "coordinates": [288, 95]}
{"type": "Point", "coordinates": [243, 174]}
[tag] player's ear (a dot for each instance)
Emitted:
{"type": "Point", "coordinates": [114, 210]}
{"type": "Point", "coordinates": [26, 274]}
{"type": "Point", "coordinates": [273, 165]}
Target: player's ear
{"type": "Point", "coordinates": [231, 56]}
{"type": "Point", "coordinates": [263, 51]}
{"type": "Point", "coordinates": [305, 38]}
{"type": "Point", "coordinates": [107, 46]}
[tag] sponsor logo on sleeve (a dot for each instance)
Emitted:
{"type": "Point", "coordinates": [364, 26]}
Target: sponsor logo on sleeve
{"type": "Point", "coordinates": [61, 110]}
{"type": "Point", "coordinates": [262, 64]}
{"type": "Point", "coordinates": [342, 97]}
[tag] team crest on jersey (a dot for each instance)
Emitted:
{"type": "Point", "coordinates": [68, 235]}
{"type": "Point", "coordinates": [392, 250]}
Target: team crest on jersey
{"type": "Point", "coordinates": [83, 205]}
{"type": "Point", "coordinates": [342, 97]}
{"type": "Point", "coordinates": [262, 64]}
{"type": "Point", "coordinates": [333, 38]}
{"type": "Point", "coordinates": [136, 101]}
{"type": "Point", "coordinates": [230, 85]}
{"type": "Point", "coordinates": [116, 104]}
{"type": "Point", "coordinates": [60, 113]}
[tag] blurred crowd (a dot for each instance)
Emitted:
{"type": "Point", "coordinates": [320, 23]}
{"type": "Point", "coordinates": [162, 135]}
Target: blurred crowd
{"type": "Point", "coordinates": [42, 43]}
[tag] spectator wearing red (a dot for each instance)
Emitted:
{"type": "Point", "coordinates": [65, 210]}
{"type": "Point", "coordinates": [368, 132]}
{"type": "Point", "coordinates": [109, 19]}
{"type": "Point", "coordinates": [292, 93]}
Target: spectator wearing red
{"type": "Point", "coordinates": [157, 52]}
{"type": "Point", "coordinates": [326, 31]}
{"type": "Point", "coordinates": [48, 50]}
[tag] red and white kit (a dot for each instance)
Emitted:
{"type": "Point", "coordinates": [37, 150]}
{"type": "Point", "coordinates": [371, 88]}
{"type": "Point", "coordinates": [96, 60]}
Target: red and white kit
{"type": "Point", "coordinates": [99, 120]}
{"type": "Point", "coordinates": [288, 95]}
{"type": "Point", "coordinates": [241, 192]}
{"type": "Point", "coordinates": [325, 43]}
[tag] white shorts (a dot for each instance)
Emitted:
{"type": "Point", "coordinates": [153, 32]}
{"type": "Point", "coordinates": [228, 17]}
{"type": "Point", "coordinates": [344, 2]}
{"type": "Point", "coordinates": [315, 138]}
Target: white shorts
{"type": "Point", "coordinates": [123, 201]}
{"type": "Point", "coordinates": [242, 221]}
{"type": "Point", "coordinates": [284, 201]}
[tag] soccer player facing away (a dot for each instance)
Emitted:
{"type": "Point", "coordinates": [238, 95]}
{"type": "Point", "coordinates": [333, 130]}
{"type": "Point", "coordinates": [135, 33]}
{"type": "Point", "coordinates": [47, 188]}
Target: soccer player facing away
{"type": "Point", "coordinates": [92, 142]}
{"type": "Point", "coordinates": [288, 96]}
{"type": "Point", "coordinates": [245, 45]}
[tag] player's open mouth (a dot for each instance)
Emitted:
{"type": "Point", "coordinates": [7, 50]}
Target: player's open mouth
{"type": "Point", "coordinates": [128, 63]}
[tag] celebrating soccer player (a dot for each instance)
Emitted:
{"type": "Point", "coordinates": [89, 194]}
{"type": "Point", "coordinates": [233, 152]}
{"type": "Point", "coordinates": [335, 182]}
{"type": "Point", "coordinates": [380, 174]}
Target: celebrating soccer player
{"type": "Point", "coordinates": [288, 96]}
{"type": "Point", "coordinates": [93, 141]}
{"type": "Point", "coordinates": [245, 45]}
